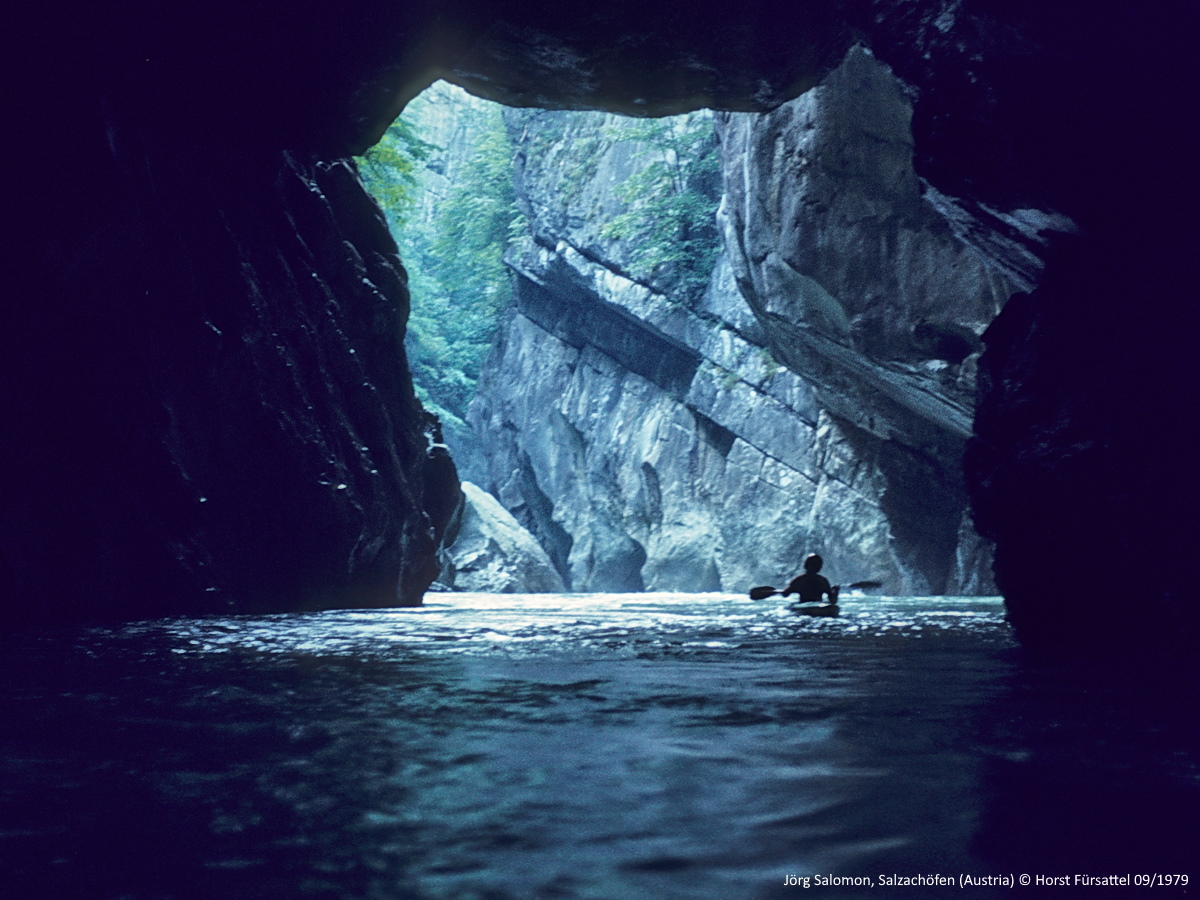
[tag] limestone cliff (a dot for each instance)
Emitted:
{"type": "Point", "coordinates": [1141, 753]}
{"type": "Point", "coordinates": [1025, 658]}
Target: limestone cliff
{"type": "Point", "coordinates": [816, 397]}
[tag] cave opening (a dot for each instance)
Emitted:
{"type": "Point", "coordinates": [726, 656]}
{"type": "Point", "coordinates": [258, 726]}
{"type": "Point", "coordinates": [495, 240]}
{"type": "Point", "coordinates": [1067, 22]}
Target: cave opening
{"type": "Point", "coordinates": [679, 353]}
{"type": "Point", "coordinates": [206, 426]}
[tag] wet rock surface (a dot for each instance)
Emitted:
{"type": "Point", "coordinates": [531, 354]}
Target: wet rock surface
{"type": "Point", "coordinates": [224, 422]}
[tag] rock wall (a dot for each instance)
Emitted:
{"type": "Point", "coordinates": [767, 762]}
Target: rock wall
{"type": "Point", "coordinates": [817, 397]}
{"type": "Point", "coordinates": [182, 178]}
{"type": "Point", "coordinates": [876, 289]}
{"type": "Point", "coordinates": [233, 429]}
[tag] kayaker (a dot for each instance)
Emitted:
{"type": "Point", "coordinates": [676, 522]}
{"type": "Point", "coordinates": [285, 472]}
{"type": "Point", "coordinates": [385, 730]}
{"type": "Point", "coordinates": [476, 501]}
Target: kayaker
{"type": "Point", "coordinates": [812, 586]}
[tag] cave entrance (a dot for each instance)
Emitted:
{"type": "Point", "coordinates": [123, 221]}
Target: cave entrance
{"type": "Point", "coordinates": [667, 397]}
{"type": "Point", "coordinates": [467, 185]}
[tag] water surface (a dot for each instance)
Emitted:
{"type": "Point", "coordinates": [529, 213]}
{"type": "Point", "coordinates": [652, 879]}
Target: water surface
{"type": "Point", "coordinates": [590, 746]}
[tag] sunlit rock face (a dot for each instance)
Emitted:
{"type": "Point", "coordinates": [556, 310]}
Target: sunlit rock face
{"type": "Point", "coordinates": [488, 550]}
{"type": "Point", "coordinates": [662, 445]}
{"type": "Point", "coordinates": [876, 289]}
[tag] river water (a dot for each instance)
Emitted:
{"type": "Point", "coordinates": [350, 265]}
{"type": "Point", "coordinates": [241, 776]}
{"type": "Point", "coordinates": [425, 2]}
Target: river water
{"type": "Point", "coordinates": [585, 746]}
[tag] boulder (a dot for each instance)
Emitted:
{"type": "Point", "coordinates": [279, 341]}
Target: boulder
{"type": "Point", "coordinates": [492, 552]}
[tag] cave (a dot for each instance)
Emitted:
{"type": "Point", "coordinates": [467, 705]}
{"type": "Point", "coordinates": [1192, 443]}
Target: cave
{"type": "Point", "coordinates": [206, 400]}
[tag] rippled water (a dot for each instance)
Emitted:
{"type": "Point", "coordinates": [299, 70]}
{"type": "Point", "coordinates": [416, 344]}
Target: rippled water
{"type": "Point", "coordinates": [591, 746]}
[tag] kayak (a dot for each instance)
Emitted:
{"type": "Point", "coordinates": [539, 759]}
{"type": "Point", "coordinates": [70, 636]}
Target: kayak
{"type": "Point", "coordinates": [815, 609]}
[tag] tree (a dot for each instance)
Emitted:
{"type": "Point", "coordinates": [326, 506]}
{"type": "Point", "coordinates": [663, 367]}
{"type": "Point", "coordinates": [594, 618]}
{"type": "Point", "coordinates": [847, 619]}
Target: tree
{"type": "Point", "coordinates": [671, 218]}
{"type": "Point", "coordinates": [454, 246]}
{"type": "Point", "coordinates": [391, 171]}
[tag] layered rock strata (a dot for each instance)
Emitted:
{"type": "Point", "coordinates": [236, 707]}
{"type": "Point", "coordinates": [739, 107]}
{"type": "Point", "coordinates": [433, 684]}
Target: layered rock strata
{"type": "Point", "coordinates": [876, 289]}
{"type": "Point", "coordinates": [817, 398]}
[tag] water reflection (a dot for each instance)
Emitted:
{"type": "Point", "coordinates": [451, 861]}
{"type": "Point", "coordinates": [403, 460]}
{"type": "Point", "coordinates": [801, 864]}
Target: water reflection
{"type": "Point", "coordinates": [574, 746]}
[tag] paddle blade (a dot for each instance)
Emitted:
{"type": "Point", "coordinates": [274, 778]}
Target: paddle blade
{"type": "Point", "coordinates": [864, 585]}
{"type": "Point", "coordinates": [762, 593]}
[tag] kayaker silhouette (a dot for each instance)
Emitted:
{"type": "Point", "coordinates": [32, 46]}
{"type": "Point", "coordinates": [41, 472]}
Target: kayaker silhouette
{"type": "Point", "coordinates": [812, 586]}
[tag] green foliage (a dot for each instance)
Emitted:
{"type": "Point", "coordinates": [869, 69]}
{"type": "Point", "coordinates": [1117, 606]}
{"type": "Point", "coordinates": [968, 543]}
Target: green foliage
{"type": "Point", "coordinates": [661, 218]}
{"type": "Point", "coordinates": [672, 202]}
{"type": "Point", "coordinates": [770, 366]}
{"type": "Point", "coordinates": [463, 284]}
{"type": "Point", "coordinates": [391, 170]}
{"type": "Point", "coordinates": [453, 248]}
{"type": "Point", "coordinates": [474, 225]}
{"type": "Point", "coordinates": [454, 213]}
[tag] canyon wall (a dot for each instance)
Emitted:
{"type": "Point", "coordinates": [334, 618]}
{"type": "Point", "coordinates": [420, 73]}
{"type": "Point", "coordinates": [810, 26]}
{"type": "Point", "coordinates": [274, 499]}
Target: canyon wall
{"type": "Point", "coordinates": [815, 397]}
{"type": "Point", "coordinates": [238, 432]}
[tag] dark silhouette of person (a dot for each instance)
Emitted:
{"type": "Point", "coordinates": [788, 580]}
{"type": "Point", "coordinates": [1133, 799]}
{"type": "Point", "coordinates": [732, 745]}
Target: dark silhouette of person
{"type": "Point", "coordinates": [812, 586]}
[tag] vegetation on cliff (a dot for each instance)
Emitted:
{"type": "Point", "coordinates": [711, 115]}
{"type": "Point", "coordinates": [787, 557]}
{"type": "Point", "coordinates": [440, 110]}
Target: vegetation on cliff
{"type": "Point", "coordinates": [672, 199]}
{"type": "Point", "coordinates": [639, 195]}
{"type": "Point", "coordinates": [444, 176]}
{"type": "Point", "coordinates": [391, 171]}
{"type": "Point", "coordinates": [449, 201]}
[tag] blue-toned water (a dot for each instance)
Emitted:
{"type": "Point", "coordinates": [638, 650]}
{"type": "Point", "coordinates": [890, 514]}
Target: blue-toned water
{"type": "Point", "coordinates": [583, 746]}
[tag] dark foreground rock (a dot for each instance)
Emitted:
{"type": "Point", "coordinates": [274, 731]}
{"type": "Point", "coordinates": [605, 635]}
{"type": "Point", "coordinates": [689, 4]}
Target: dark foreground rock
{"type": "Point", "coordinates": [223, 420]}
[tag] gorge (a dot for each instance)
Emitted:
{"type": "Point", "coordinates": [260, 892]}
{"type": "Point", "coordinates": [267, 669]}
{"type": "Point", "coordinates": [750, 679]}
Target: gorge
{"type": "Point", "coordinates": [207, 399]}
{"type": "Point", "coordinates": [653, 440]}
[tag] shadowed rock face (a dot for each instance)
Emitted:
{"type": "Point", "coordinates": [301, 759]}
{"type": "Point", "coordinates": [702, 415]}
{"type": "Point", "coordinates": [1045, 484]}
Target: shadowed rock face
{"type": "Point", "coordinates": [171, 188]}
{"type": "Point", "coordinates": [234, 431]}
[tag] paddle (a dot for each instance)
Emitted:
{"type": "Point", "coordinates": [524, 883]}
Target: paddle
{"type": "Point", "coordinates": [764, 591]}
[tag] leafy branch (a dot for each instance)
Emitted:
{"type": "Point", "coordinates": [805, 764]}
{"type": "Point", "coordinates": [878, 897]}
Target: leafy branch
{"type": "Point", "coordinates": [670, 219]}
